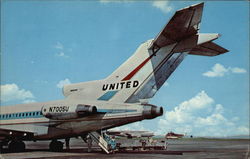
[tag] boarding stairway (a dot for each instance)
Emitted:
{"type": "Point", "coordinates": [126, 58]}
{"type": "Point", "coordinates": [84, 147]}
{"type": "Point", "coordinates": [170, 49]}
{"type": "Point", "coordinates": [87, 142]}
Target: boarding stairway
{"type": "Point", "coordinates": [104, 141]}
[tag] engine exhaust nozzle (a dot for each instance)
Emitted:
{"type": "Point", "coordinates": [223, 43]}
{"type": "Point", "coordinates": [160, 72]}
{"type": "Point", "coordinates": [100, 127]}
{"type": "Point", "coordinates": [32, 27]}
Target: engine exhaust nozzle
{"type": "Point", "coordinates": [151, 111]}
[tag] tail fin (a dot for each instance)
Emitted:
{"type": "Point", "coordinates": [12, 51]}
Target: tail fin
{"type": "Point", "coordinates": [143, 74]}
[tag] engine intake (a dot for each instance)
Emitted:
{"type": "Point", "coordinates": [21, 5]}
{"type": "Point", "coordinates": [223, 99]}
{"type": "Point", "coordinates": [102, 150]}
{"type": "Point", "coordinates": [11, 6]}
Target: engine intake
{"type": "Point", "coordinates": [82, 110]}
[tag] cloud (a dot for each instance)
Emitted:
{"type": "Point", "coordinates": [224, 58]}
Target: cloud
{"type": "Point", "coordinates": [215, 118]}
{"type": "Point", "coordinates": [218, 70]}
{"type": "Point", "coordinates": [11, 92]}
{"type": "Point", "coordinates": [243, 130]}
{"type": "Point", "coordinates": [61, 50]}
{"type": "Point", "coordinates": [200, 116]}
{"type": "Point", "coordinates": [59, 46]}
{"type": "Point", "coordinates": [61, 83]}
{"type": "Point", "coordinates": [61, 54]}
{"type": "Point", "coordinates": [29, 101]}
{"type": "Point", "coordinates": [181, 113]}
{"type": "Point", "coordinates": [238, 70]}
{"type": "Point", "coordinates": [162, 5]}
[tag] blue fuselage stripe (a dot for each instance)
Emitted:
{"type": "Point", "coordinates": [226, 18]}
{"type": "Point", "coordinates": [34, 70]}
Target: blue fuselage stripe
{"type": "Point", "coordinates": [108, 95]}
{"type": "Point", "coordinates": [21, 115]}
{"type": "Point", "coordinates": [38, 114]}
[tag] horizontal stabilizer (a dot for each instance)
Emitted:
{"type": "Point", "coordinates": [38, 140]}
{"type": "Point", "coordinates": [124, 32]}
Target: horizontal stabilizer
{"type": "Point", "coordinates": [206, 37]}
{"type": "Point", "coordinates": [208, 49]}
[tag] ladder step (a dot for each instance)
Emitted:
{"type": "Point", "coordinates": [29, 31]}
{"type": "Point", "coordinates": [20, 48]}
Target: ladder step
{"type": "Point", "coordinates": [100, 141]}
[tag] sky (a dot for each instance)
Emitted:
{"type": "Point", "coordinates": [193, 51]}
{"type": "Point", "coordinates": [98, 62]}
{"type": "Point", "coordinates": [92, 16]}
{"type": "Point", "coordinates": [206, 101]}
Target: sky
{"type": "Point", "coordinates": [46, 44]}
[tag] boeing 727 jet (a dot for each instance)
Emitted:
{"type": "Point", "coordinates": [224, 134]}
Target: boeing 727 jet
{"type": "Point", "coordinates": [94, 106]}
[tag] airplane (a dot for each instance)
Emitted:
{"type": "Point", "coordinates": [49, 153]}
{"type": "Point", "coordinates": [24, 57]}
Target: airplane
{"type": "Point", "coordinates": [119, 99]}
{"type": "Point", "coordinates": [130, 134]}
{"type": "Point", "coordinates": [172, 135]}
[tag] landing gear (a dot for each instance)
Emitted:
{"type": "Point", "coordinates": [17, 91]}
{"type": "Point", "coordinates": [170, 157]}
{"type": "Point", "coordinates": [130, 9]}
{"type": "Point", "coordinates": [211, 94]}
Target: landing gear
{"type": "Point", "coordinates": [16, 146]}
{"type": "Point", "coordinates": [89, 141]}
{"type": "Point", "coordinates": [67, 143]}
{"type": "Point", "coordinates": [56, 146]}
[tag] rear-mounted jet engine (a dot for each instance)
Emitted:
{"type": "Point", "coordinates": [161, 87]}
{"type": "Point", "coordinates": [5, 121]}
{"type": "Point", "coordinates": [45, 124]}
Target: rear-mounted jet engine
{"type": "Point", "coordinates": [68, 112]}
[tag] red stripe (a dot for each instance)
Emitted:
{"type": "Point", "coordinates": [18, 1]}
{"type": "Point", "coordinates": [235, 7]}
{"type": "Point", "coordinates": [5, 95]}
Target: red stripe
{"type": "Point", "coordinates": [131, 74]}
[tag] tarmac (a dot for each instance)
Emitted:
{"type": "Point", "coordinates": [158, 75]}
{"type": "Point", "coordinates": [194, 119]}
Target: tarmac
{"type": "Point", "coordinates": [177, 149]}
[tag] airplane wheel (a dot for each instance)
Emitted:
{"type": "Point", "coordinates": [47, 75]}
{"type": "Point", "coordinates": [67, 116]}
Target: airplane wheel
{"type": "Point", "coordinates": [16, 146]}
{"type": "Point", "coordinates": [56, 146]}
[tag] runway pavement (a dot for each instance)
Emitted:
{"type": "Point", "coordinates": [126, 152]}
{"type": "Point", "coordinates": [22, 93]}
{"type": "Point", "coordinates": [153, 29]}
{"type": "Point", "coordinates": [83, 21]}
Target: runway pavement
{"type": "Point", "coordinates": [179, 148]}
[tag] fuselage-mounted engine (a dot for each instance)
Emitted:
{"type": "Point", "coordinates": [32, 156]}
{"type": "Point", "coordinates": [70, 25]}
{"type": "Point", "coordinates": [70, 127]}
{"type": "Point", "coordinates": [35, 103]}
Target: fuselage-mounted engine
{"type": "Point", "coordinates": [68, 112]}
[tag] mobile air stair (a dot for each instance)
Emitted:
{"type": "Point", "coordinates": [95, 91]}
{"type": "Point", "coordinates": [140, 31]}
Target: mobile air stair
{"type": "Point", "coordinates": [104, 141]}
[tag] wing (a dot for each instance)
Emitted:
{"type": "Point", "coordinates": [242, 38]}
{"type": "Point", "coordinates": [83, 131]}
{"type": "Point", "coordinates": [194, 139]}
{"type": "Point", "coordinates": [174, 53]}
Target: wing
{"type": "Point", "coordinates": [208, 49]}
{"type": "Point", "coordinates": [184, 23]}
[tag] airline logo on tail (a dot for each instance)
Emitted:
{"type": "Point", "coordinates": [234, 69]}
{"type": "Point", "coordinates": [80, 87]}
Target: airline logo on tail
{"type": "Point", "coordinates": [121, 85]}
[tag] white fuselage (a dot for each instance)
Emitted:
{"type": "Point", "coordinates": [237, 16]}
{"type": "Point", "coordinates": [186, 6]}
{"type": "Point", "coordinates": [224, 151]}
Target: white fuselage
{"type": "Point", "coordinates": [29, 118]}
